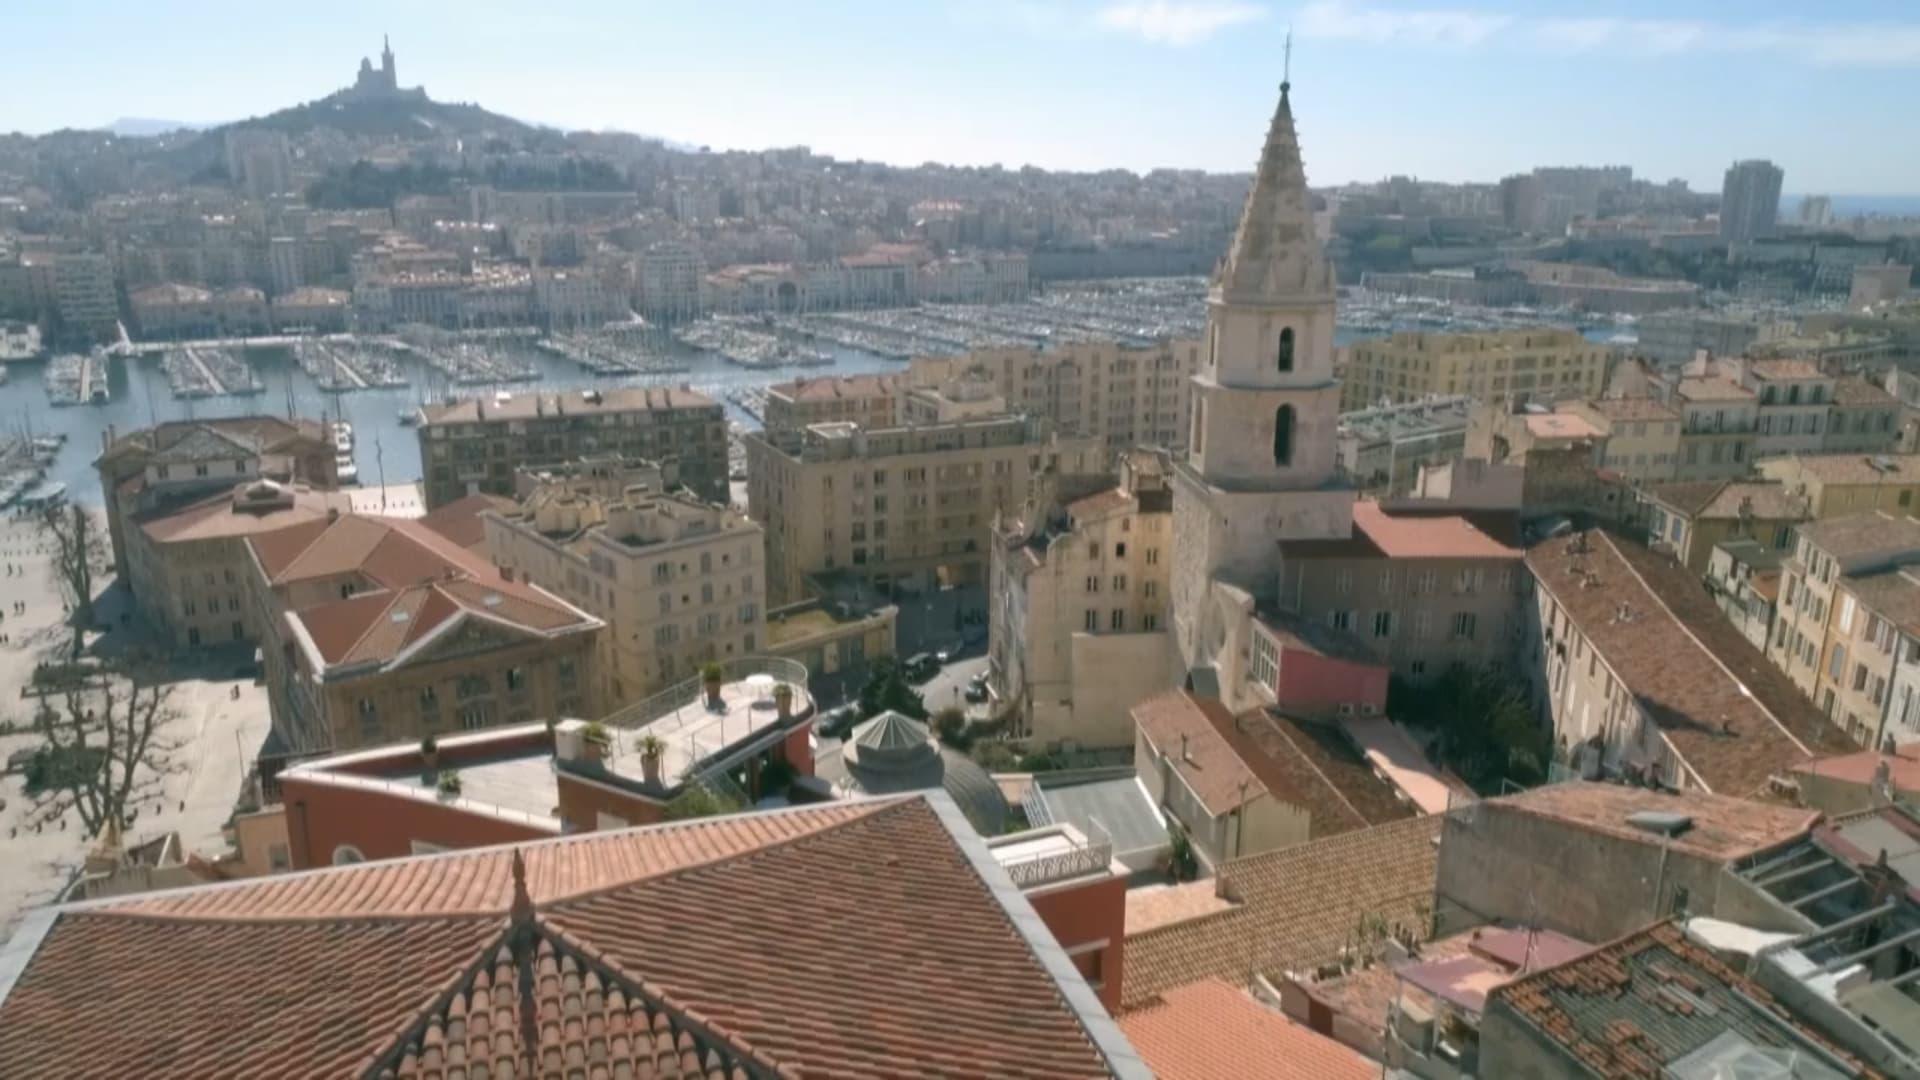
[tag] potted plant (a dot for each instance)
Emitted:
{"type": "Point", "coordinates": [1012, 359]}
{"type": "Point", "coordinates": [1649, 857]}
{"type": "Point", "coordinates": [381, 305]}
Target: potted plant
{"type": "Point", "coordinates": [712, 674]}
{"type": "Point", "coordinates": [449, 784]}
{"type": "Point", "coordinates": [594, 740]}
{"type": "Point", "coordinates": [652, 749]}
{"type": "Point", "coordinates": [783, 699]}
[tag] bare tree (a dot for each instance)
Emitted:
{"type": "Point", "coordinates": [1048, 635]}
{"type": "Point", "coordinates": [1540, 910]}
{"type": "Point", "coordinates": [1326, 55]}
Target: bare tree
{"type": "Point", "coordinates": [104, 745]}
{"type": "Point", "coordinates": [79, 556]}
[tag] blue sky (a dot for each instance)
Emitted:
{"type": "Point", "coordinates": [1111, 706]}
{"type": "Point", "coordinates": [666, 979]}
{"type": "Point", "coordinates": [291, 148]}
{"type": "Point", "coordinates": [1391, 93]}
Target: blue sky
{"type": "Point", "coordinates": [1443, 89]}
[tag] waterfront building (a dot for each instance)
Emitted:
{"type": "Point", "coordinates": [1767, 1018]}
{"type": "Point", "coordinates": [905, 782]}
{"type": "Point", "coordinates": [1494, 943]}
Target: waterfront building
{"type": "Point", "coordinates": [908, 506]}
{"type": "Point", "coordinates": [149, 472]}
{"type": "Point", "coordinates": [1543, 365]}
{"type": "Point", "coordinates": [477, 444]}
{"type": "Point", "coordinates": [871, 401]}
{"type": "Point", "coordinates": [678, 581]}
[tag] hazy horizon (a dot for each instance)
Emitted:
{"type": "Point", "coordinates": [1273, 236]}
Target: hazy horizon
{"type": "Point", "coordinates": [1457, 92]}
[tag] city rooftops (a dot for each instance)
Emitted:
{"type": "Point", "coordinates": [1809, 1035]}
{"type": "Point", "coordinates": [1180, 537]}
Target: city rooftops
{"type": "Point", "coordinates": [1654, 1003]}
{"type": "Point", "coordinates": [1730, 716]}
{"type": "Point", "coordinates": [605, 947]}
{"type": "Point", "coordinates": [1211, 1030]}
{"type": "Point", "coordinates": [249, 509]}
{"type": "Point", "coordinates": [1784, 370]}
{"type": "Point", "coordinates": [1854, 468]}
{"type": "Point", "coordinates": [1730, 500]}
{"type": "Point", "coordinates": [1560, 425]}
{"type": "Point", "coordinates": [840, 387]}
{"type": "Point", "coordinates": [558, 405]}
{"type": "Point", "coordinates": [1711, 389]}
{"type": "Point", "coordinates": [1861, 541]}
{"type": "Point", "coordinates": [1854, 392]}
{"type": "Point", "coordinates": [1719, 828]}
{"type": "Point", "coordinates": [1622, 409]}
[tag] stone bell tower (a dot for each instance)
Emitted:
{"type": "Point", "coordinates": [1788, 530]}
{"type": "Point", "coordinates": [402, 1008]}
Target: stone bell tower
{"type": "Point", "coordinates": [1261, 465]}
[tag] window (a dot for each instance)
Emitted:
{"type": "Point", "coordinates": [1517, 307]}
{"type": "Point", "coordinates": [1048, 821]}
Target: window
{"type": "Point", "coordinates": [1859, 677]}
{"type": "Point", "coordinates": [516, 679]}
{"type": "Point", "coordinates": [472, 686]}
{"type": "Point", "coordinates": [1422, 623]}
{"type": "Point", "coordinates": [1153, 554]}
{"type": "Point", "coordinates": [347, 855]}
{"type": "Point", "coordinates": [1836, 662]}
{"type": "Point", "coordinates": [1149, 589]}
{"type": "Point", "coordinates": [1285, 357]}
{"type": "Point", "coordinates": [1118, 620]}
{"type": "Point", "coordinates": [1283, 436]}
{"type": "Point", "coordinates": [749, 612]}
{"type": "Point", "coordinates": [662, 572]}
{"type": "Point", "coordinates": [369, 718]}
{"type": "Point", "coordinates": [1846, 614]}
{"type": "Point", "coordinates": [1119, 551]}
{"type": "Point", "coordinates": [1382, 624]}
{"type": "Point", "coordinates": [429, 699]}
{"type": "Point", "coordinates": [1266, 660]}
{"type": "Point", "coordinates": [1463, 625]}
{"type": "Point", "coordinates": [1340, 620]}
{"type": "Point", "coordinates": [1119, 583]}
{"type": "Point", "coordinates": [1150, 621]}
{"type": "Point", "coordinates": [1092, 620]}
{"type": "Point", "coordinates": [1343, 582]}
{"type": "Point", "coordinates": [1093, 583]}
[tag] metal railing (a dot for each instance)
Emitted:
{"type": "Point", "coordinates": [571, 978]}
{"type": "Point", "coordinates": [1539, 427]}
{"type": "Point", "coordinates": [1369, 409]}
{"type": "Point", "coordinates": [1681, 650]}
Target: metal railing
{"type": "Point", "coordinates": [1086, 855]}
{"type": "Point", "coordinates": [692, 691]}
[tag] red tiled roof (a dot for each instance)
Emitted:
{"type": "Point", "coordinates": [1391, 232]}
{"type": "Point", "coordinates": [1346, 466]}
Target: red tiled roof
{"type": "Point", "coordinates": [1429, 536]}
{"type": "Point", "coordinates": [459, 520]}
{"type": "Point", "coordinates": [1722, 829]}
{"type": "Point", "coordinates": [1187, 731]}
{"type": "Point", "coordinates": [849, 940]}
{"type": "Point", "coordinates": [1210, 1031]}
{"type": "Point", "coordinates": [1731, 716]}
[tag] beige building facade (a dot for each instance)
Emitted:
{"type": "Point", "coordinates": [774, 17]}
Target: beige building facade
{"type": "Point", "coordinates": [1077, 603]}
{"type": "Point", "coordinates": [1508, 365]}
{"type": "Point", "coordinates": [1643, 436]}
{"type": "Point", "coordinates": [1718, 421]}
{"type": "Point", "coordinates": [476, 445]}
{"type": "Point", "coordinates": [1123, 395]}
{"type": "Point", "coordinates": [871, 401]}
{"type": "Point", "coordinates": [907, 507]}
{"type": "Point", "coordinates": [1839, 484]}
{"type": "Point", "coordinates": [677, 580]}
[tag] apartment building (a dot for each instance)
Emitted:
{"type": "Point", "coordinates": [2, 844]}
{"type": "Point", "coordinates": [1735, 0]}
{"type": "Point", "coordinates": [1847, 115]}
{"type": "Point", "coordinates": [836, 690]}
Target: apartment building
{"type": "Point", "coordinates": [1864, 419]}
{"type": "Point", "coordinates": [901, 506]}
{"type": "Point", "coordinates": [1643, 677]}
{"type": "Point", "coordinates": [1795, 399]}
{"type": "Point", "coordinates": [150, 473]}
{"type": "Point", "coordinates": [1518, 365]}
{"type": "Point", "coordinates": [1837, 484]}
{"type": "Point", "coordinates": [1427, 589]}
{"type": "Point", "coordinates": [671, 280]}
{"type": "Point", "coordinates": [872, 401]}
{"type": "Point", "coordinates": [379, 630]}
{"type": "Point", "coordinates": [678, 581]}
{"type": "Point", "coordinates": [1718, 419]}
{"type": "Point", "coordinates": [1504, 432]}
{"type": "Point", "coordinates": [1123, 395]}
{"type": "Point", "coordinates": [1076, 608]}
{"type": "Point", "coordinates": [475, 445]}
{"type": "Point", "coordinates": [1844, 601]}
{"type": "Point", "coordinates": [186, 562]}
{"type": "Point", "coordinates": [1643, 436]}
{"type": "Point", "coordinates": [1690, 520]}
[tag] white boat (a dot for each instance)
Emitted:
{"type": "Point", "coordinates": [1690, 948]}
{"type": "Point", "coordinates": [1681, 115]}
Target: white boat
{"type": "Point", "coordinates": [345, 470]}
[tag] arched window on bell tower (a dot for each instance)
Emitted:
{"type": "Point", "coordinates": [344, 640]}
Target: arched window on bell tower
{"type": "Point", "coordinates": [1199, 425]}
{"type": "Point", "coordinates": [1283, 436]}
{"type": "Point", "coordinates": [1286, 348]}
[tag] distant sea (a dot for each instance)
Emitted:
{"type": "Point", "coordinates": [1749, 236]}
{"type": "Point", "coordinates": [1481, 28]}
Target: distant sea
{"type": "Point", "coordinates": [1846, 206]}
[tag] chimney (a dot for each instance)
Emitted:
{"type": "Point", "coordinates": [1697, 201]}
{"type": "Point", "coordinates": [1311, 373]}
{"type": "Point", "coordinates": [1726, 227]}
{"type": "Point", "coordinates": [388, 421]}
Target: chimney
{"type": "Point", "coordinates": [333, 514]}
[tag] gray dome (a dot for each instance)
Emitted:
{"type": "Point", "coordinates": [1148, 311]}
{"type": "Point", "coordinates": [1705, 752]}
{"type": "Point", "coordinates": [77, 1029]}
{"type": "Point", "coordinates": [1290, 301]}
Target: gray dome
{"type": "Point", "coordinates": [892, 753]}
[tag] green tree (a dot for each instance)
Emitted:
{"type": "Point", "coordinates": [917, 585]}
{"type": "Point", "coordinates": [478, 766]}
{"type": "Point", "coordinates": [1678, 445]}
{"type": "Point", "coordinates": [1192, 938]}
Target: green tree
{"type": "Point", "coordinates": [1485, 726]}
{"type": "Point", "coordinates": [887, 688]}
{"type": "Point", "coordinates": [699, 801]}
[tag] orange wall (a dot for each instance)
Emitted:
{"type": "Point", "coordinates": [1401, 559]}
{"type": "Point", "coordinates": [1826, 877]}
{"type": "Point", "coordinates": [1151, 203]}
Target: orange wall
{"type": "Point", "coordinates": [1079, 914]}
{"type": "Point", "coordinates": [321, 817]}
{"type": "Point", "coordinates": [582, 803]}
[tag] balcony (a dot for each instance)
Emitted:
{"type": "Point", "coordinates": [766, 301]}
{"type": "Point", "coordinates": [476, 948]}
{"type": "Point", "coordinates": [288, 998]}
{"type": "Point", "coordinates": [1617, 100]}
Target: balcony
{"type": "Point", "coordinates": [1051, 854]}
{"type": "Point", "coordinates": [700, 740]}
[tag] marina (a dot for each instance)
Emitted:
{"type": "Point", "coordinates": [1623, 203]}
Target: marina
{"type": "Point", "coordinates": [609, 354]}
{"type": "Point", "coordinates": [198, 371]}
{"type": "Point", "coordinates": [751, 343]}
{"type": "Point", "coordinates": [346, 366]}
{"type": "Point", "coordinates": [77, 379]}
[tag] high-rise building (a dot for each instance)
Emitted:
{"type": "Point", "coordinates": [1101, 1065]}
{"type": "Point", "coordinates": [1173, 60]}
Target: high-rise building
{"type": "Point", "coordinates": [1816, 210]}
{"type": "Point", "coordinates": [1749, 201]}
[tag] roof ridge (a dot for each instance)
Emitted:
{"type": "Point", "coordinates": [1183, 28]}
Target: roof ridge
{"type": "Point", "coordinates": [656, 996]}
{"type": "Point", "coordinates": [411, 1030]}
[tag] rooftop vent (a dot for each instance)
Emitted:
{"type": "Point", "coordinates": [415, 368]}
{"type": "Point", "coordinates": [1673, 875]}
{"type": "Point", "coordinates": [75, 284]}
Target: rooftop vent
{"type": "Point", "coordinates": [399, 617]}
{"type": "Point", "coordinates": [1661, 822]}
{"type": "Point", "coordinates": [491, 600]}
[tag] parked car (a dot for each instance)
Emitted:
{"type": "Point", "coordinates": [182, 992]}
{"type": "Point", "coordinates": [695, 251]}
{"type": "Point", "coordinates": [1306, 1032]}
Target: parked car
{"type": "Point", "coordinates": [920, 667]}
{"type": "Point", "coordinates": [838, 723]}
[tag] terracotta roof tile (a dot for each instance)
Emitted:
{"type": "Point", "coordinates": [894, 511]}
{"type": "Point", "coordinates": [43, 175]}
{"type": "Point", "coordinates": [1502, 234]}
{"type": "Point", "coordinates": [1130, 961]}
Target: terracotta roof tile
{"type": "Point", "coordinates": [1724, 828]}
{"type": "Point", "coordinates": [696, 949]}
{"type": "Point", "coordinates": [1187, 731]}
{"type": "Point", "coordinates": [1613, 1011]}
{"type": "Point", "coordinates": [1314, 765]}
{"type": "Point", "coordinates": [460, 522]}
{"type": "Point", "coordinates": [1209, 1030]}
{"type": "Point", "coordinates": [1732, 717]}
{"type": "Point", "coordinates": [109, 995]}
{"type": "Point", "coordinates": [1296, 908]}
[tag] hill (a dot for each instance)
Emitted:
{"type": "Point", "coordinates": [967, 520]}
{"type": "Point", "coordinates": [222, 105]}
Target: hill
{"type": "Point", "coordinates": [407, 114]}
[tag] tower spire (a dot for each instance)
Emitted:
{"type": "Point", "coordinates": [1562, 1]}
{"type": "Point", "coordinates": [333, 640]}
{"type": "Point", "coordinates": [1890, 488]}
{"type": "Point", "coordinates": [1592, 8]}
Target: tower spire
{"type": "Point", "coordinates": [1275, 255]}
{"type": "Point", "coordinates": [1286, 64]}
